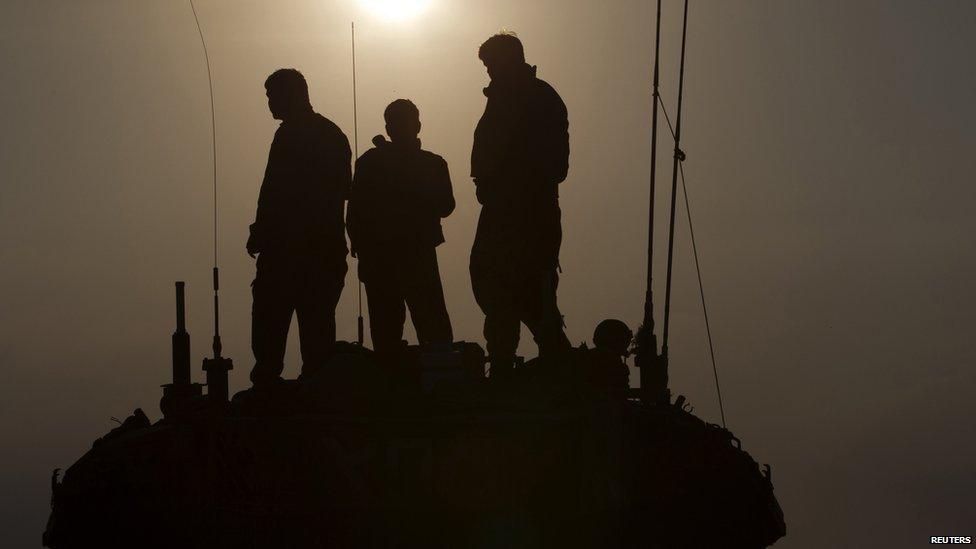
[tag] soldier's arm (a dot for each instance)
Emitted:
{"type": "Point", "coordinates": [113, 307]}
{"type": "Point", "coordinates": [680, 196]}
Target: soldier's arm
{"type": "Point", "coordinates": [483, 161]}
{"type": "Point", "coordinates": [353, 211]}
{"type": "Point", "coordinates": [554, 153]}
{"type": "Point", "coordinates": [332, 176]}
{"type": "Point", "coordinates": [344, 166]}
{"type": "Point", "coordinates": [331, 161]}
{"type": "Point", "coordinates": [265, 210]}
{"type": "Point", "coordinates": [444, 191]}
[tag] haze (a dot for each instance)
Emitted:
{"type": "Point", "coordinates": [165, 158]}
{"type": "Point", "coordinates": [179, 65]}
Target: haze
{"type": "Point", "coordinates": [830, 171]}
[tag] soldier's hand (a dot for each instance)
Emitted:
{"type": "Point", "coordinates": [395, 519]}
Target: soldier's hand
{"type": "Point", "coordinates": [251, 246]}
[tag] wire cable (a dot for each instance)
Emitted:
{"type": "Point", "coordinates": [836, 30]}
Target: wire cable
{"type": "Point", "coordinates": [701, 287]}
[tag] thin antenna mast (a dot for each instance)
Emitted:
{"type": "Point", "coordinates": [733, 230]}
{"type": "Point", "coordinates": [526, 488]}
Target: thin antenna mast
{"type": "Point", "coordinates": [653, 372]}
{"type": "Point", "coordinates": [649, 300]}
{"type": "Point", "coordinates": [218, 366]}
{"type": "Point", "coordinates": [213, 136]}
{"type": "Point", "coordinates": [679, 155]}
{"type": "Point", "coordinates": [355, 141]}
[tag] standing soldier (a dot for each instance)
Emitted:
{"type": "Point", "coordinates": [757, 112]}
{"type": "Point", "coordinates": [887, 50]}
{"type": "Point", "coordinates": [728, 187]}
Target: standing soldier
{"type": "Point", "coordinates": [298, 231]}
{"type": "Point", "coordinates": [520, 155]}
{"type": "Point", "coordinates": [400, 193]}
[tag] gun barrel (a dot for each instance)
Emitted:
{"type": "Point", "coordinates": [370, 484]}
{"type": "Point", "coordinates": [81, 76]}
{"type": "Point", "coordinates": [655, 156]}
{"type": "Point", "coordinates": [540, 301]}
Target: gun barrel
{"type": "Point", "coordinates": [181, 340]}
{"type": "Point", "coordinates": [180, 306]}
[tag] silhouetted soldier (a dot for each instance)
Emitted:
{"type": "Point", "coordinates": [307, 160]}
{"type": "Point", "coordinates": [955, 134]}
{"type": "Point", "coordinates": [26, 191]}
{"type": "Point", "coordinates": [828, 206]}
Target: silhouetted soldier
{"type": "Point", "coordinates": [400, 193]}
{"type": "Point", "coordinates": [299, 231]}
{"type": "Point", "coordinates": [520, 155]}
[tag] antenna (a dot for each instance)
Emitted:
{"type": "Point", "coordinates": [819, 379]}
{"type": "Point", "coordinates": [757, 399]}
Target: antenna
{"type": "Point", "coordinates": [679, 155]}
{"type": "Point", "coordinates": [678, 168]}
{"type": "Point", "coordinates": [649, 299]}
{"type": "Point", "coordinates": [653, 367]}
{"type": "Point", "coordinates": [355, 144]}
{"type": "Point", "coordinates": [218, 366]}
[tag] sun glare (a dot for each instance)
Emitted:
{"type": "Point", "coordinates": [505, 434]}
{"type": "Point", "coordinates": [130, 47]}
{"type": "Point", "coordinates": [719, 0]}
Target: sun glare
{"type": "Point", "coordinates": [396, 9]}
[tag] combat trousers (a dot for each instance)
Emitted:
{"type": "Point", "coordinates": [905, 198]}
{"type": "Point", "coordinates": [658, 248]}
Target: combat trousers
{"type": "Point", "coordinates": [397, 282]}
{"type": "Point", "coordinates": [514, 277]}
{"type": "Point", "coordinates": [519, 298]}
{"type": "Point", "coordinates": [308, 287]}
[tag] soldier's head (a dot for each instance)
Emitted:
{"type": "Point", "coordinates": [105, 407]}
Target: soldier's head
{"type": "Point", "coordinates": [287, 94]}
{"type": "Point", "coordinates": [614, 336]}
{"type": "Point", "coordinates": [502, 55]}
{"type": "Point", "coordinates": [402, 120]}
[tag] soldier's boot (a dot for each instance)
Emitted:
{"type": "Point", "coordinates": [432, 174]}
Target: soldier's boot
{"type": "Point", "coordinates": [502, 368]}
{"type": "Point", "coordinates": [264, 377]}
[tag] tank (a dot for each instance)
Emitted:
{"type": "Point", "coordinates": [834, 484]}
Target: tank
{"type": "Point", "coordinates": [425, 452]}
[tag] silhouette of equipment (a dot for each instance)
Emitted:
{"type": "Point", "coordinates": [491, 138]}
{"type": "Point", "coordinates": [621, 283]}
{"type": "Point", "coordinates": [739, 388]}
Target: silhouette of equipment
{"type": "Point", "coordinates": [217, 366]}
{"type": "Point", "coordinates": [181, 340]}
{"type": "Point", "coordinates": [181, 396]}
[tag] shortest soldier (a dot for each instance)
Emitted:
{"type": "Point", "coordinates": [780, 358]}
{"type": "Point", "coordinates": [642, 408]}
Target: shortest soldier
{"type": "Point", "coordinates": [400, 193]}
{"type": "Point", "coordinates": [608, 373]}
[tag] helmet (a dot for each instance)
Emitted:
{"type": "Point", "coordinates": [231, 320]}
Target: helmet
{"type": "Point", "coordinates": [613, 335]}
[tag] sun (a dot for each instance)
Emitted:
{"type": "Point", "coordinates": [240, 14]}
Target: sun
{"type": "Point", "coordinates": [396, 9]}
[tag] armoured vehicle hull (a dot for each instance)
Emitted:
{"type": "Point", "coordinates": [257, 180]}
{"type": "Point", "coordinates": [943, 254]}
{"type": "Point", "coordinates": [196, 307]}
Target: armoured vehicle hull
{"type": "Point", "coordinates": [476, 466]}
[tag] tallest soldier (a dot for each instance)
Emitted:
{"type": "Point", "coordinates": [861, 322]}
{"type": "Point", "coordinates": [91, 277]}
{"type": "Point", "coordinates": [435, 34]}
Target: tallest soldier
{"type": "Point", "coordinates": [520, 155]}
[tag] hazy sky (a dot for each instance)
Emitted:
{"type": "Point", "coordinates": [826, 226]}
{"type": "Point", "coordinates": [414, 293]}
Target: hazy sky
{"type": "Point", "coordinates": [830, 162]}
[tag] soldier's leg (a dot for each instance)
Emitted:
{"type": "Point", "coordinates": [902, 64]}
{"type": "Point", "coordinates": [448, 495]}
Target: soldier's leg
{"type": "Point", "coordinates": [501, 341]}
{"type": "Point", "coordinates": [538, 286]}
{"type": "Point", "coordinates": [387, 313]}
{"type": "Point", "coordinates": [424, 295]}
{"type": "Point", "coordinates": [541, 314]}
{"type": "Point", "coordinates": [502, 324]}
{"type": "Point", "coordinates": [321, 288]}
{"type": "Point", "coordinates": [491, 269]}
{"type": "Point", "coordinates": [271, 313]}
